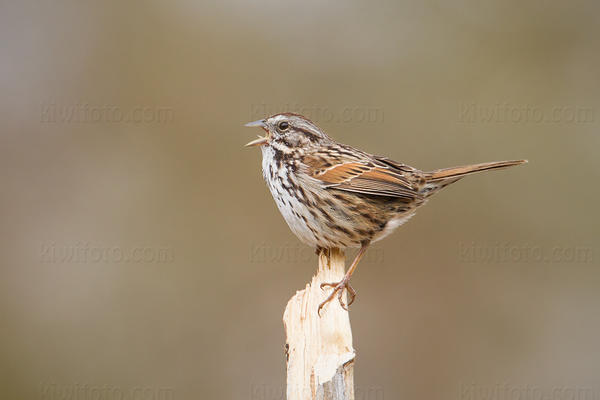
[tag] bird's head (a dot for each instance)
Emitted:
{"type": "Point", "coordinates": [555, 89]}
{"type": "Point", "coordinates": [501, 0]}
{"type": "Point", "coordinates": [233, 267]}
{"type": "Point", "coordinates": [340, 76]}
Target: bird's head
{"type": "Point", "coordinates": [288, 131]}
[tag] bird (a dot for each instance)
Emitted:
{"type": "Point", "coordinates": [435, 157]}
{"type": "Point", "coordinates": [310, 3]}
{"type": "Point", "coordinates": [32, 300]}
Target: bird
{"type": "Point", "coordinates": [336, 196]}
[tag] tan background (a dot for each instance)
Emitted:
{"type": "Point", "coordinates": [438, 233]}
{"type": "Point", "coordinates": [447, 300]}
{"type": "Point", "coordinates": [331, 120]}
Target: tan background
{"type": "Point", "coordinates": [456, 305]}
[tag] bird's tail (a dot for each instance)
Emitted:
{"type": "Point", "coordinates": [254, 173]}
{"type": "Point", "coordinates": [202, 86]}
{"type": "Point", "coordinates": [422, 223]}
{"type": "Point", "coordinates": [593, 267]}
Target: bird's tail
{"type": "Point", "coordinates": [439, 178]}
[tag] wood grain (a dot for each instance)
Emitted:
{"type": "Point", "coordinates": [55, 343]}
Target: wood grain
{"type": "Point", "coordinates": [320, 356]}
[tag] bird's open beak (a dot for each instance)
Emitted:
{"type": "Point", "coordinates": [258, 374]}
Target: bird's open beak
{"type": "Point", "coordinates": [261, 139]}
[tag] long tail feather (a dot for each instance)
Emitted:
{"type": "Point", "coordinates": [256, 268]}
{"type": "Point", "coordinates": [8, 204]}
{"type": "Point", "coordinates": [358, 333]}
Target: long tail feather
{"type": "Point", "coordinates": [455, 172]}
{"type": "Point", "coordinates": [440, 178]}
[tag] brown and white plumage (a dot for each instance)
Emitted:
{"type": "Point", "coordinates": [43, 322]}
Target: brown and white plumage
{"type": "Point", "coordinates": [333, 195]}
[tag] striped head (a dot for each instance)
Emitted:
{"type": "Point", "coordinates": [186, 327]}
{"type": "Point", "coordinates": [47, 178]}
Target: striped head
{"type": "Point", "coordinates": [287, 132]}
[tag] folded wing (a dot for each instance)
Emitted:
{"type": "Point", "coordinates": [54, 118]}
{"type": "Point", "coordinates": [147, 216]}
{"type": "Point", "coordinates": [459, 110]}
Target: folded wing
{"type": "Point", "coordinates": [372, 177]}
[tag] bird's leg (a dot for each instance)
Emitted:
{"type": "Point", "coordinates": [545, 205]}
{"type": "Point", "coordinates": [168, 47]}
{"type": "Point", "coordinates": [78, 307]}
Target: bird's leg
{"type": "Point", "coordinates": [338, 287]}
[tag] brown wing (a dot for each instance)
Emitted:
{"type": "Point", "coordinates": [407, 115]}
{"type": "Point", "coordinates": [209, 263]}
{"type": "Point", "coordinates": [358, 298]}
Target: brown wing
{"type": "Point", "coordinates": [371, 176]}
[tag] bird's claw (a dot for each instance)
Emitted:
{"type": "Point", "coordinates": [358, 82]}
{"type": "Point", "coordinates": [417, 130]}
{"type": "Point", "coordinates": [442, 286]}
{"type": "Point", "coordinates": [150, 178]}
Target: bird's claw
{"type": "Point", "coordinates": [338, 288]}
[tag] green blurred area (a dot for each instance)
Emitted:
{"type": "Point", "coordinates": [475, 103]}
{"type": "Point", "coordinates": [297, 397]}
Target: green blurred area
{"type": "Point", "coordinates": [144, 255]}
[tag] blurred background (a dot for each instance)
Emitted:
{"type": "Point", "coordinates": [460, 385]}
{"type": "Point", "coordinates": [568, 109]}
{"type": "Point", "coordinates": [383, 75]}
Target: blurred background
{"type": "Point", "coordinates": [144, 257]}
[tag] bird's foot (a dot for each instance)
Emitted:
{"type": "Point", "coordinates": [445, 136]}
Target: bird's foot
{"type": "Point", "coordinates": [338, 287]}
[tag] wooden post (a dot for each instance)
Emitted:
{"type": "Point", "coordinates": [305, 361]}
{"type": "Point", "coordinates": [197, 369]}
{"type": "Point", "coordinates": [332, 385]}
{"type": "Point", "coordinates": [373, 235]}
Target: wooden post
{"type": "Point", "coordinates": [320, 357]}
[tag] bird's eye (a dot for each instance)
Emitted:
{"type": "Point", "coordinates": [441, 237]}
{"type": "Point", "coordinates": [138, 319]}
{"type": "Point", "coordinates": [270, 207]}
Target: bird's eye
{"type": "Point", "coordinates": [283, 126]}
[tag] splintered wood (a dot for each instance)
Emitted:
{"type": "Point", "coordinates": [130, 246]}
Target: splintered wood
{"type": "Point", "coordinates": [320, 357]}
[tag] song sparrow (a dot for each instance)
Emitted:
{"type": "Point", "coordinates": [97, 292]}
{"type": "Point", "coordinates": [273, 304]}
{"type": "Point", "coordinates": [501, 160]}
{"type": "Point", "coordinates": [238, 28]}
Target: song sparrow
{"type": "Point", "coordinates": [333, 195]}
